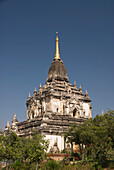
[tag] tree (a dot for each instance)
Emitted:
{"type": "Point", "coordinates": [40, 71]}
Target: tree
{"type": "Point", "coordinates": [1, 148]}
{"type": "Point", "coordinates": [95, 134]}
{"type": "Point", "coordinates": [10, 148]}
{"type": "Point", "coordinates": [34, 148]}
{"type": "Point", "coordinates": [17, 149]}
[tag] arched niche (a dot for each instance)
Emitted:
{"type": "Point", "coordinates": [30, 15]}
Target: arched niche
{"type": "Point", "coordinates": [75, 113]}
{"type": "Point", "coordinates": [33, 115]}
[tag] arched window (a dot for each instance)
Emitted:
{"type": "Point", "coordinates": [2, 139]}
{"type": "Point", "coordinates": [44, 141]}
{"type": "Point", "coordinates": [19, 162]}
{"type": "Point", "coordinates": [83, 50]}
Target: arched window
{"type": "Point", "coordinates": [32, 115]}
{"type": "Point", "coordinates": [74, 112]}
{"type": "Point", "coordinates": [63, 108]}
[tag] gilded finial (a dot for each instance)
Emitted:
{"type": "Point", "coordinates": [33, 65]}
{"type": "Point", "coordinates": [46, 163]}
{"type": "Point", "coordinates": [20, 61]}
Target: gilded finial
{"type": "Point", "coordinates": [29, 95]}
{"type": "Point", "coordinates": [8, 124]}
{"type": "Point", "coordinates": [80, 88]}
{"type": "Point", "coordinates": [86, 93]}
{"type": "Point", "coordinates": [75, 85]}
{"type": "Point", "coordinates": [14, 116]}
{"type": "Point", "coordinates": [14, 119]}
{"type": "Point", "coordinates": [35, 90]}
{"type": "Point", "coordinates": [40, 88]}
{"type": "Point", "coordinates": [102, 113]}
{"type": "Point", "coordinates": [57, 55]}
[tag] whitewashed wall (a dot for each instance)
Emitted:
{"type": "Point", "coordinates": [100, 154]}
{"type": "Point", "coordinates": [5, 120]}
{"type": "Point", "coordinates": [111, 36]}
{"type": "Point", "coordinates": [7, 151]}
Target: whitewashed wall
{"type": "Point", "coordinates": [87, 109]}
{"type": "Point", "coordinates": [55, 138]}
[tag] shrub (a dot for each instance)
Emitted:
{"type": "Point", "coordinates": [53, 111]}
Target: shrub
{"type": "Point", "coordinates": [17, 165]}
{"type": "Point", "coordinates": [51, 165]}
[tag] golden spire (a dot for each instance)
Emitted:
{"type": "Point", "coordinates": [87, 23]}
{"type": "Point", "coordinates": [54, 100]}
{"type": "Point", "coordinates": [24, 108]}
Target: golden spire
{"type": "Point", "coordinates": [102, 113]}
{"type": "Point", "coordinates": [40, 85]}
{"type": "Point", "coordinates": [57, 55]}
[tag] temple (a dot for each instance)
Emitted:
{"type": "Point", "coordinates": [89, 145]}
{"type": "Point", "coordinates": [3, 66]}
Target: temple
{"type": "Point", "coordinates": [54, 107]}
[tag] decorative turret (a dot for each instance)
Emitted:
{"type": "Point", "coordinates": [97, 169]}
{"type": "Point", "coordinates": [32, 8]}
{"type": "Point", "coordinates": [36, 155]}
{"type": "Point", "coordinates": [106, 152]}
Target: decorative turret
{"type": "Point", "coordinates": [86, 94]}
{"type": "Point", "coordinates": [28, 99]}
{"type": "Point", "coordinates": [29, 96]}
{"type": "Point", "coordinates": [15, 119]}
{"type": "Point", "coordinates": [35, 91]}
{"type": "Point", "coordinates": [14, 123]}
{"type": "Point", "coordinates": [75, 85]}
{"type": "Point", "coordinates": [7, 128]}
{"type": "Point", "coordinates": [80, 89]}
{"type": "Point", "coordinates": [40, 87]}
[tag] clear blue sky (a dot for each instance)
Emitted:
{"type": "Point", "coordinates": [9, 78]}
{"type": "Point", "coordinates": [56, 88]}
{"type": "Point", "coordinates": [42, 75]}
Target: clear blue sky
{"type": "Point", "coordinates": [27, 46]}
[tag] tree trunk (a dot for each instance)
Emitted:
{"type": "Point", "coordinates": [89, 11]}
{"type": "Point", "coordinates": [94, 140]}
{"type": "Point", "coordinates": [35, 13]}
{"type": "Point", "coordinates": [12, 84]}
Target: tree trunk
{"type": "Point", "coordinates": [10, 167]}
{"type": "Point", "coordinates": [71, 147]}
{"type": "Point", "coordinates": [80, 151]}
{"type": "Point", "coordinates": [36, 165]}
{"type": "Point", "coordinates": [6, 165]}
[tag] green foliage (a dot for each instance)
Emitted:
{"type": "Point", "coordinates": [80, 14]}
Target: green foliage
{"type": "Point", "coordinates": [65, 161]}
{"type": "Point", "coordinates": [2, 153]}
{"type": "Point", "coordinates": [10, 146]}
{"type": "Point", "coordinates": [51, 165]}
{"type": "Point", "coordinates": [34, 148]}
{"type": "Point", "coordinates": [76, 155]}
{"type": "Point", "coordinates": [23, 166]}
{"type": "Point", "coordinates": [17, 165]}
{"type": "Point", "coordinates": [22, 150]}
{"type": "Point", "coordinates": [95, 137]}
